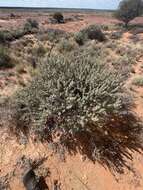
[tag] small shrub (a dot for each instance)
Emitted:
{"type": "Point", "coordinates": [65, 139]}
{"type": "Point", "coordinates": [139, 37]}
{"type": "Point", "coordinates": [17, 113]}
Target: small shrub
{"type": "Point", "coordinates": [52, 35]}
{"type": "Point", "coordinates": [94, 32]}
{"type": "Point", "coordinates": [30, 25]}
{"type": "Point", "coordinates": [5, 36]}
{"type": "Point", "coordinates": [66, 45]}
{"type": "Point", "coordinates": [58, 17]}
{"type": "Point", "coordinates": [138, 81]}
{"type": "Point", "coordinates": [39, 51]}
{"type": "Point", "coordinates": [80, 38]}
{"type": "Point", "coordinates": [5, 59]}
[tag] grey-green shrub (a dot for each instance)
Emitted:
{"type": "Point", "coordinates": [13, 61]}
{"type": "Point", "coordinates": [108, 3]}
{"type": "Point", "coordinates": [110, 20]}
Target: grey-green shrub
{"type": "Point", "coordinates": [70, 94]}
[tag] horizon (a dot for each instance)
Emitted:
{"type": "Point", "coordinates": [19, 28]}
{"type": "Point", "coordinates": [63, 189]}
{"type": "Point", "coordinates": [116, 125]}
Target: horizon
{"type": "Point", "coordinates": [75, 4]}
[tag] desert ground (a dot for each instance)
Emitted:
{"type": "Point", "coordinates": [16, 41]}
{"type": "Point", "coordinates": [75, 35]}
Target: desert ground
{"type": "Point", "coordinates": [71, 170]}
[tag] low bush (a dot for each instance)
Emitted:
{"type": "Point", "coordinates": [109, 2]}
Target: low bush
{"type": "Point", "coordinates": [80, 38]}
{"type": "Point", "coordinates": [58, 17]}
{"type": "Point", "coordinates": [73, 94]}
{"type": "Point", "coordinates": [30, 26]}
{"type": "Point", "coordinates": [84, 101]}
{"type": "Point", "coordinates": [66, 45]}
{"type": "Point", "coordinates": [5, 36]}
{"type": "Point", "coordinates": [52, 35]}
{"type": "Point", "coordinates": [5, 59]}
{"type": "Point", "coordinates": [94, 32]}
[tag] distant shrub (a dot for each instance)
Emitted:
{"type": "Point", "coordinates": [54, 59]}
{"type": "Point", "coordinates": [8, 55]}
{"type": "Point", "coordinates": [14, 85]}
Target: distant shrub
{"type": "Point", "coordinates": [5, 59]}
{"type": "Point", "coordinates": [138, 81]}
{"type": "Point", "coordinates": [58, 17]}
{"type": "Point", "coordinates": [30, 25]}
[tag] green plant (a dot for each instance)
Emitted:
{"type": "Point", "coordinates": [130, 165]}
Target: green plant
{"type": "Point", "coordinates": [5, 59]}
{"type": "Point", "coordinates": [138, 81]}
{"type": "Point", "coordinates": [58, 17]}
{"type": "Point", "coordinates": [128, 10]}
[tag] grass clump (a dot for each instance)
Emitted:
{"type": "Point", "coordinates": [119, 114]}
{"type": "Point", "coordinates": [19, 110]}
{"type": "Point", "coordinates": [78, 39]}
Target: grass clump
{"type": "Point", "coordinates": [138, 81]}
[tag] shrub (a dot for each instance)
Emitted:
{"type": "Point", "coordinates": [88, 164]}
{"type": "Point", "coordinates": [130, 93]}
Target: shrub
{"type": "Point", "coordinates": [5, 36]}
{"type": "Point", "coordinates": [66, 45]}
{"type": "Point", "coordinates": [30, 25]}
{"type": "Point", "coordinates": [94, 32]}
{"type": "Point", "coordinates": [72, 94]}
{"type": "Point", "coordinates": [52, 35]}
{"type": "Point", "coordinates": [128, 10]}
{"type": "Point", "coordinates": [138, 81]}
{"type": "Point", "coordinates": [39, 51]}
{"type": "Point", "coordinates": [80, 38]}
{"type": "Point", "coordinates": [58, 17]}
{"type": "Point", "coordinates": [5, 59]}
